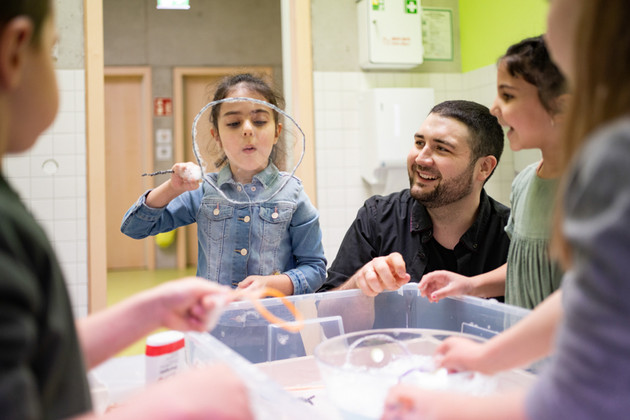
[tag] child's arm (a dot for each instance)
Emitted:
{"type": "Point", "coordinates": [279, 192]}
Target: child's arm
{"type": "Point", "coordinates": [529, 340]}
{"type": "Point", "coordinates": [408, 402]}
{"type": "Point", "coordinates": [185, 177]}
{"type": "Point", "coordinates": [440, 284]}
{"type": "Point", "coordinates": [150, 215]}
{"type": "Point", "coordinates": [181, 305]}
{"type": "Point", "coordinates": [307, 248]}
{"type": "Point", "coordinates": [208, 392]}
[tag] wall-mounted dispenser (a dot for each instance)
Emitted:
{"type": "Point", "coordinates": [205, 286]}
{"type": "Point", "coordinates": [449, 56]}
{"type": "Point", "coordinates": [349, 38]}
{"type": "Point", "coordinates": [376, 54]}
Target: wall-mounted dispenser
{"type": "Point", "coordinates": [389, 119]}
{"type": "Point", "coordinates": [390, 34]}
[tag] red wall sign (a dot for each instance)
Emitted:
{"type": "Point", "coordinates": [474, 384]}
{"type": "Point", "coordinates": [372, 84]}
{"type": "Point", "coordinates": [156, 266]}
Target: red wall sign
{"type": "Point", "coordinates": [162, 107]}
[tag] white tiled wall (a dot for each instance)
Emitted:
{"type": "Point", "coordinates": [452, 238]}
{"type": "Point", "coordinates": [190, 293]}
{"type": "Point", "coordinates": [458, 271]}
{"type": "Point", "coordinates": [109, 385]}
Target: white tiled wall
{"type": "Point", "coordinates": [340, 190]}
{"type": "Point", "coordinates": [57, 197]}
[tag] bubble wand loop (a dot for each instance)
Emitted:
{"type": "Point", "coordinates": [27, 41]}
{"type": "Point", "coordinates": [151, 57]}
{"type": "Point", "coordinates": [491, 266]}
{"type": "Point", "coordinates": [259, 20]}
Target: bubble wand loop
{"type": "Point", "coordinates": [201, 162]}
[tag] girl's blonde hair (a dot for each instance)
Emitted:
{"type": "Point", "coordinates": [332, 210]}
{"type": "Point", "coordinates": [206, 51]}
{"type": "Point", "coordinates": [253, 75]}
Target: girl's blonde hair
{"type": "Point", "coordinates": [601, 88]}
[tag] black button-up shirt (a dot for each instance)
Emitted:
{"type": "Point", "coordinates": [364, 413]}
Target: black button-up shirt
{"type": "Point", "coordinates": [398, 223]}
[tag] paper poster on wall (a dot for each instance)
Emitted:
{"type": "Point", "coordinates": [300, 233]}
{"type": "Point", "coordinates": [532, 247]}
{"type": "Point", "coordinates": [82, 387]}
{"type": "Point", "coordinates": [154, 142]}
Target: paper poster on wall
{"type": "Point", "coordinates": [437, 34]}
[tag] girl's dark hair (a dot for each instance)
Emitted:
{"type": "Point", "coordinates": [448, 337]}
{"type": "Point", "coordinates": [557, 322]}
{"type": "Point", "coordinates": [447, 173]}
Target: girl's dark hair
{"type": "Point", "coordinates": [530, 60]}
{"type": "Point", "coordinates": [36, 10]}
{"type": "Point", "coordinates": [258, 85]}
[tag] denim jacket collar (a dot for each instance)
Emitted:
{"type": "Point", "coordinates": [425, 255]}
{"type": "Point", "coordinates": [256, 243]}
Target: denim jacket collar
{"type": "Point", "coordinates": [266, 177]}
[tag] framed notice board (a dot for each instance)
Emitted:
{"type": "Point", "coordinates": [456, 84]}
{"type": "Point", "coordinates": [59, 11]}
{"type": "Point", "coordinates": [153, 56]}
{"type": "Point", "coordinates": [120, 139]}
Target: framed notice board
{"type": "Point", "coordinates": [437, 34]}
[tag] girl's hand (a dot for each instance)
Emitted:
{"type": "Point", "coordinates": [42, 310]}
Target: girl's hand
{"type": "Point", "coordinates": [440, 284]}
{"type": "Point", "coordinates": [280, 282]}
{"type": "Point", "coordinates": [190, 303]}
{"type": "Point", "coordinates": [254, 282]}
{"type": "Point", "coordinates": [185, 177]}
{"type": "Point", "coordinates": [406, 402]}
{"type": "Point", "coordinates": [458, 354]}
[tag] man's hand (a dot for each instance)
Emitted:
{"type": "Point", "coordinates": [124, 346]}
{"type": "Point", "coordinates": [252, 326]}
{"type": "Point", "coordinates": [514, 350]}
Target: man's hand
{"type": "Point", "coordinates": [382, 273]}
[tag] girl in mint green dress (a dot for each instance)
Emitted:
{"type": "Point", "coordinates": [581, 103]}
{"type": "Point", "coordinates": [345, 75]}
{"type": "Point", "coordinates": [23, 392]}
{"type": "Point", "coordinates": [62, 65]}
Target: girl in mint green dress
{"type": "Point", "coordinates": [530, 102]}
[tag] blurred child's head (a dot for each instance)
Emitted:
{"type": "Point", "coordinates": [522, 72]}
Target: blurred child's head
{"type": "Point", "coordinates": [28, 87]}
{"type": "Point", "coordinates": [228, 119]}
{"type": "Point", "coordinates": [531, 96]}
{"type": "Point", "coordinates": [36, 10]}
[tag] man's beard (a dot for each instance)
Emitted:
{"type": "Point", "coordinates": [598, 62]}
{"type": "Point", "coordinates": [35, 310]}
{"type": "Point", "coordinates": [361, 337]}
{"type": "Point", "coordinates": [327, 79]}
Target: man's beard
{"type": "Point", "coordinates": [446, 192]}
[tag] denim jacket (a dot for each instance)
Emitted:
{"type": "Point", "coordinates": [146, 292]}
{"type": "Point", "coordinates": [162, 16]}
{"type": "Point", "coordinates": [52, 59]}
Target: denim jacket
{"type": "Point", "coordinates": [281, 235]}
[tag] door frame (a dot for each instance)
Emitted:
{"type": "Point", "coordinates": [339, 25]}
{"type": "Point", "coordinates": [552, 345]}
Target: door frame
{"type": "Point", "coordinates": [144, 73]}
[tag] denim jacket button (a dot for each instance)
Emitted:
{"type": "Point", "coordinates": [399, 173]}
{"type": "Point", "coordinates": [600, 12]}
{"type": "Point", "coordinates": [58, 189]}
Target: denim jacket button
{"type": "Point", "coordinates": [246, 219]}
{"type": "Point", "coordinates": [238, 188]}
{"type": "Point", "coordinates": [274, 215]}
{"type": "Point", "coordinates": [253, 188]}
{"type": "Point", "coordinates": [216, 212]}
{"type": "Point", "coordinates": [243, 252]}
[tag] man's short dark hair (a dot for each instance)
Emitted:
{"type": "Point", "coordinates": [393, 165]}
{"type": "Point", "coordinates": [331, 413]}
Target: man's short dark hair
{"type": "Point", "coordinates": [486, 134]}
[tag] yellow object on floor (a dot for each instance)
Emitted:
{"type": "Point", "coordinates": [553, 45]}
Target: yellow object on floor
{"type": "Point", "coordinates": [123, 283]}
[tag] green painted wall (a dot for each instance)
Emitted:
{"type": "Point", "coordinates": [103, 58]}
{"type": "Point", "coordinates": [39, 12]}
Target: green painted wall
{"type": "Point", "coordinates": [489, 27]}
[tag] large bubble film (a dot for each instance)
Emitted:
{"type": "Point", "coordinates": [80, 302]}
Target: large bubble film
{"type": "Point", "coordinates": [245, 134]}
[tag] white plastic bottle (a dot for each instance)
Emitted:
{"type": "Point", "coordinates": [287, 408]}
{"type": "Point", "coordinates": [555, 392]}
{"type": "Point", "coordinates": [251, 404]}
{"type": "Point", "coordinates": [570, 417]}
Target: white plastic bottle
{"type": "Point", "coordinates": [165, 355]}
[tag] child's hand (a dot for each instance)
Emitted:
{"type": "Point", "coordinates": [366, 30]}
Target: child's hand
{"type": "Point", "coordinates": [208, 392]}
{"type": "Point", "coordinates": [458, 354]}
{"type": "Point", "coordinates": [280, 282]}
{"type": "Point", "coordinates": [191, 303]}
{"type": "Point", "coordinates": [440, 284]}
{"type": "Point", "coordinates": [185, 176]}
{"type": "Point", "coordinates": [407, 402]}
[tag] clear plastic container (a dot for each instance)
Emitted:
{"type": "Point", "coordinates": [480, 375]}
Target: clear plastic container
{"type": "Point", "coordinates": [245, 331]}
{"type": "Point", "coordinates": [359, 368]}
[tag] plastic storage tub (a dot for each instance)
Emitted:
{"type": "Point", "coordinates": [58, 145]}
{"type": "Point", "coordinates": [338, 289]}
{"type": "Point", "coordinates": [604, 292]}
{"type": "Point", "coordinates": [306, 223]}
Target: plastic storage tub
{"type": "Point", "coordinates": [330, 314]}
{"type": "Point", "coordinates": [290, 385]}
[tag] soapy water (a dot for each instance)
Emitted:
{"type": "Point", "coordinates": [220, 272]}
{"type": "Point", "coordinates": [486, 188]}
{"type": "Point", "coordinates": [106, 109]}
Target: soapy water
{"type": "Point", "coordinates": [359, 392]}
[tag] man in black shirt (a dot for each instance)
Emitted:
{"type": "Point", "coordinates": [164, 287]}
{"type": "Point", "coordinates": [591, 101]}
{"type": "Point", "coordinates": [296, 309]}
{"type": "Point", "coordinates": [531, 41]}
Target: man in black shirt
{"type": "Point", "coordinates": [444, 221]}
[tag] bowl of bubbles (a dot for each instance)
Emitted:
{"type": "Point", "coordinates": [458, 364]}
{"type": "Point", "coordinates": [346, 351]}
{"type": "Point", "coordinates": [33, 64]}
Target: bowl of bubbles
{"type": "Point", "coordinates": [359, 368]}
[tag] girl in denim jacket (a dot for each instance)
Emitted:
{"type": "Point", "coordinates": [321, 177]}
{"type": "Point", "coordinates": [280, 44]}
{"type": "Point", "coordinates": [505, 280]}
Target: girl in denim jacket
{"type": "Point", "coordinates": [246, 240]}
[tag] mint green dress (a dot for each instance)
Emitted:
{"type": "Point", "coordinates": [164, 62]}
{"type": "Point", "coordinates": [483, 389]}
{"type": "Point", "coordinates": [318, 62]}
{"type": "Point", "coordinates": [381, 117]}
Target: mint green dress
{"type": "Point", "coordinates": [531, 275]}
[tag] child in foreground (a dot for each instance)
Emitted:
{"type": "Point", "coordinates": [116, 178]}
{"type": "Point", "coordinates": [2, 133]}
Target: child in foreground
{"type": "Point", "coordinates": [43, 355]}
{"type": "Point", "coordinates": [585, 325]}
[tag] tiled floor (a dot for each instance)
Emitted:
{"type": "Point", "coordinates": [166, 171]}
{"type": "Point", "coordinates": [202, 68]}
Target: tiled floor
{"type": "Point", "coordinates": [122, 284]}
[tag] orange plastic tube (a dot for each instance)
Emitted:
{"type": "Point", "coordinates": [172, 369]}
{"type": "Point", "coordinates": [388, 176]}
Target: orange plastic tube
{"type": "Point", "coordinates": [291, 326]}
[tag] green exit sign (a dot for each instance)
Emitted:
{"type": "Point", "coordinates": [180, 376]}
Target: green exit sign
{"type": "Point", "coordinates": [173, 4]}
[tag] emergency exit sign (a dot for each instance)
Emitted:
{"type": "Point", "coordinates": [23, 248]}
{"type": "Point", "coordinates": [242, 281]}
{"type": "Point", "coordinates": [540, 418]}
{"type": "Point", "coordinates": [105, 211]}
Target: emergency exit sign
{"type": "Point", "coordinates": [173, 4]}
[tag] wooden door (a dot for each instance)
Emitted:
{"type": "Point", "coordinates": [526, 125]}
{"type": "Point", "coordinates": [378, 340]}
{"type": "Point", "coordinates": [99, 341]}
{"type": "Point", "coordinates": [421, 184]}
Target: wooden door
{"type": "Point", "coordinates": [194, 88]}
{"type": "Point", "coordinates": [129, 153]}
